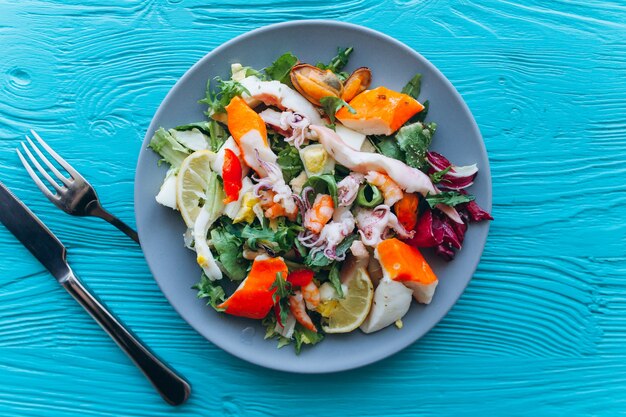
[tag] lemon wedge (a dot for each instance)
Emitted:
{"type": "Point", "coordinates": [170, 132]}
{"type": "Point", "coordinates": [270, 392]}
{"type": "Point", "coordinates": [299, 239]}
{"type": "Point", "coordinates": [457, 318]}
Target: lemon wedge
{"type": "Point", "coordinates": [351, 311]}
{"type": "Point", "coordinates": [191, 184]}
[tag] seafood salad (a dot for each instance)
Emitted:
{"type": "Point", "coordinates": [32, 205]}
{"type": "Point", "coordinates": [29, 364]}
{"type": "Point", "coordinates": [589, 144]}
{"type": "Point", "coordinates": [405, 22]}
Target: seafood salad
{"type": "Point", "coordinates": [314, 192]}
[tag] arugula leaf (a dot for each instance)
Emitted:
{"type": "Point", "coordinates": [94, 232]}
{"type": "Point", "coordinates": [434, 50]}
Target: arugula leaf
{"type": "Point", "coordinates": [414, 140]}
{"type": "Point", "coordinates": [228, 248]}
{"type": "Point", "coordinates": [284, 236]}
{"type": "Point", "coordinates": [388, 146]}
{"type": "Point", "coordinates": [281, 295]}
{"type": "Point", "coordinates": [320, 260]}
{"type": "Point", "coordinates": [303, 336]}
{"type": "Point", "coordinates": [414, 86]}
{"type": "Point", "coordinates": [323, 184]}
{"type": "Point", "coordinates": [436, 177]}
{"type": "Point", "coordinates": [218, 100]}
{"type": "Point", "coordinates": [289, 162]}
{"type": "Point", "coordinates": [335, 279]}
{"type": "Point", "coordinates": [211, 290]}
{"type": "Point", "coordinates": [337, 63]}
{"type": "Point", "coordinates": [280, 69]}
{"type": "Point", "coordinates": [172, 151]}
{"type": "Point", "coordinates": [449, 198]}
{"type": "Point", "coordinates": [331, 105]}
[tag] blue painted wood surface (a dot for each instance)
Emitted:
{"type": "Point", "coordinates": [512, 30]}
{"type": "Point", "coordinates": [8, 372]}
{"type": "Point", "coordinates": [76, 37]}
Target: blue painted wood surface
{"type": "Point", "coordinates": [541, 329]}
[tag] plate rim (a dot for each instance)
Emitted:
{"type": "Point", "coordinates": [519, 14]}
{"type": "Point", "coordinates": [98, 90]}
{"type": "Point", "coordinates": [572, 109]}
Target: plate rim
{"type": "Point", "coordinates": [377, 355]}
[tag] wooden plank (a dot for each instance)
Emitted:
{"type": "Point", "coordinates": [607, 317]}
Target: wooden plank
{"type": "Point", "coordinates": [542, 325]}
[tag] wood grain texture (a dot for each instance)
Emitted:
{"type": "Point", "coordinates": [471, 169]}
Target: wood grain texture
{"type": "Point", "coordinates": [541, 328]}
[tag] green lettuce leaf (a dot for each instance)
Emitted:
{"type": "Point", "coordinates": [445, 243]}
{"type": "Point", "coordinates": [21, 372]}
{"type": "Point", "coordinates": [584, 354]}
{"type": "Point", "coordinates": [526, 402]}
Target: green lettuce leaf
{"type": "Point", "coordinates": [228, 248]}
{"type": "Point", "coordinates": [172, 151]}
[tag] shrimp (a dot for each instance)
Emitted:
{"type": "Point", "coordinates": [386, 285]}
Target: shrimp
{"type": "Point", "coordinates": [273, 210]}
{"type": "Point", "coordinates": [319, 214]}
{"type": "Point", "coordinates": [391, 191]}
{"type": "Point", "coordinates": [311, 295]}
{"type": "Point", "coordinates": [297, 308]}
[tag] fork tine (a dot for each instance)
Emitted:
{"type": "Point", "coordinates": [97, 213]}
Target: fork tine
{"type": "Point", "coordinates": [42, 171]}
{"type": "Point", "coordinates": [38, 182]}
{"type": "Point", "coordinates": [58, 158]}
{"type": "Point", "coordinates": [48, 163]}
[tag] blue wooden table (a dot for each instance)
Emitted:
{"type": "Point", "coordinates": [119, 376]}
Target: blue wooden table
{"type": "Point", "coordinates": [541, 329]}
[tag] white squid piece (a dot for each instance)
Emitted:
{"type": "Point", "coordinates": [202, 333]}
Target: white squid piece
{"type": "Point", "coordinates": [275, 93]}
{"type": "Point", "coordinates": [374, 225]}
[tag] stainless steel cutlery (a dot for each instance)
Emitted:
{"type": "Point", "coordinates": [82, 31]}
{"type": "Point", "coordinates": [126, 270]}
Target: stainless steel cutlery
{"type": "Point", "coordinates": [74, 195]}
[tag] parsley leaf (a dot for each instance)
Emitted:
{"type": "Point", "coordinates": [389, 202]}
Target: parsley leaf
{"type": "Point", "coordinates": [289, 162]}
{"type": "Point", "coordinates": [449, 198]}
{"type": "Point", "coordinates": [218, 100]}
{"type": "Point", "coordinates": [414, 140]}
{"type": "Point", "coordinates": [280, 69]}
{"type": "Point", "coordinates": [331, 105]}
{"type": "Point", "coordinates": [211, 290]}
{"type": "Point", "coordinates": [436, 177]}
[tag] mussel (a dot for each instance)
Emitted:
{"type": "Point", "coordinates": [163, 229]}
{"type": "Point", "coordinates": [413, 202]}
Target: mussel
{"type": "Point", "coordinates": [356, 83]}
{"type": "Point", "coordinates": [314, 83]}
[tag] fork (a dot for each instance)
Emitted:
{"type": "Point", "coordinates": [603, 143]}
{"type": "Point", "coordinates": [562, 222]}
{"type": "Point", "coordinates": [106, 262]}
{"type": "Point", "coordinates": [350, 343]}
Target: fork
{"type": "Point", "coordinates": [75, 196]}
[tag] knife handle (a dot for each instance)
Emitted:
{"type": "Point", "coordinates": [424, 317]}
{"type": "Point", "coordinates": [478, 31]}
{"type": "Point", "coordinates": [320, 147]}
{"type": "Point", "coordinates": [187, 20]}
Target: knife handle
{"type": "Point", "coordinates": [173, 388]}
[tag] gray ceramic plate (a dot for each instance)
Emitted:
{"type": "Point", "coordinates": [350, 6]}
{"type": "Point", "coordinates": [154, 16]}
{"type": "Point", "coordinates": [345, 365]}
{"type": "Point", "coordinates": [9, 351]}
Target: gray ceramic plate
{"type": "Point", "coordinates": [160, 229]}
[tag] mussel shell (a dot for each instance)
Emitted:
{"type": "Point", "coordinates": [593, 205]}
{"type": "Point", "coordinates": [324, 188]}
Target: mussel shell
{"type": "Point", "coordinates": [356, 83]}
{"type": "Point", "coordinates": [314, 83]}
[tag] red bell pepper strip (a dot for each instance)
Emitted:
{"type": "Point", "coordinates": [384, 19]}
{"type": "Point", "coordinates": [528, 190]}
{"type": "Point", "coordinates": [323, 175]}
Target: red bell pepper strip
{"type": "Point", "coordinates": [231, 174]}
{"type": "Point", "coordinates": [300, 278]}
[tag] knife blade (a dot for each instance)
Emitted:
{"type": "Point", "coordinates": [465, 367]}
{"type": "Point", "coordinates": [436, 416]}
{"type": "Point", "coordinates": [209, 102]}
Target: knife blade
{"type": "Point", "coordinates": [33, 234]}
{"type": "Point", "coordinates": [49, 250]}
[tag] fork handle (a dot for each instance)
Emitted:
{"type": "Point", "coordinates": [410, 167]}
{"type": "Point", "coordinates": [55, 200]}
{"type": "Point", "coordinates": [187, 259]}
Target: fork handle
{"type": "Point", "coordinates": [173, 388]}
{"type": "Point", "coordinates": [98, 211]}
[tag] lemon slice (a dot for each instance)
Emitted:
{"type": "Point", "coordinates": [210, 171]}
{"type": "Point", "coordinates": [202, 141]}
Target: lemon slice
{"type": "Point", "coordinates": [350, 312]}
{"type": "Point", "coordinates": [191, 184]}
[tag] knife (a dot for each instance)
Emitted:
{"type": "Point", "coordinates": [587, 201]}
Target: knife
{"type": "Point", "coordinates": [49, 250]}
